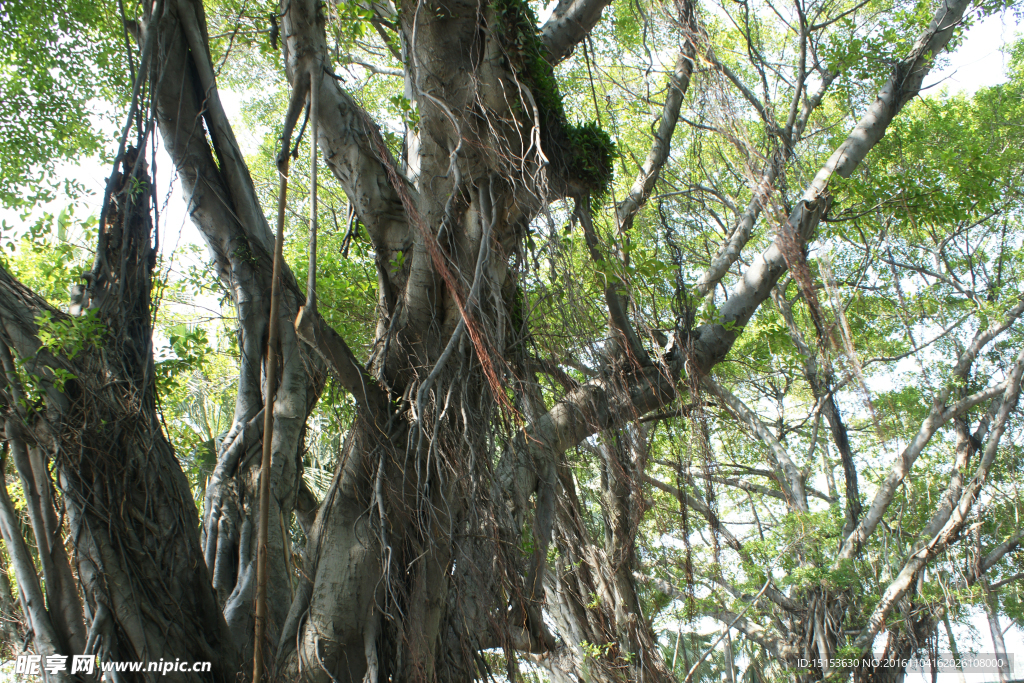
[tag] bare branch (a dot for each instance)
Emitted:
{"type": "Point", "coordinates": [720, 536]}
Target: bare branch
{"type": "Point", "coordinates": [794, 487]}
{"type": "Point", "coordinates": [678, 84]}
{"type": "Point", "coordinates": [568, 25]}
{"type": "Point", "coordinates": [1008, 580]}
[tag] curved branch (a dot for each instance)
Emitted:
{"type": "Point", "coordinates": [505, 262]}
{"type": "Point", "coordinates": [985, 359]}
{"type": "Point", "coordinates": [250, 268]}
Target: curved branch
{"type": "Point", "coordinates": [951, 528]}
{"type": "Point", "coordinates": [569, 25]}
{"type": "Point", "coordinates": [997, 553]}
{"type": "Point", "coordinates": [679, 83]}
{"type": "Point", "coordinates": [347, 135]}
{"type": "Point", "coordinates": [714, 341]}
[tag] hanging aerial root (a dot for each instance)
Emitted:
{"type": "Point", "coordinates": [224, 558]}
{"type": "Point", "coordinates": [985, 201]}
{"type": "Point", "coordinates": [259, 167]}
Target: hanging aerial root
{"type": "Point", "coordinates": [269, 396]}
{"type": "Point", "coordinates": [480, 341]}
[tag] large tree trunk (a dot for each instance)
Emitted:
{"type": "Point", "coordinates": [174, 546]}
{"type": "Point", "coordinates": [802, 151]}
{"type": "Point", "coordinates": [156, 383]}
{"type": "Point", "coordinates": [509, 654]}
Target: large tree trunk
{"type": "Point", "coordinates": [130, 512]}
{"type": "Point", "coordinates": [413, 563]}
{"type": "Point", "coordinates": [406, 592]}
{"type": "Point", "coordinates": [453, 492]}
{"type": "Point", "coordinates": [224, 206]}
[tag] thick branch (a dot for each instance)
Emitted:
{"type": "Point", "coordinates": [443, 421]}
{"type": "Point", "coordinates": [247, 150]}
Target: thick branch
{"type": "Point", "coordinates": [730, 249]}
{"type": "Point", "coordinates": [1008, 580]}
{"type": "Point", "coordinates": [903, 85]}
{"type": "Point", "coordinates": [341, 362]}
{"type": "Point", "coordinates": [997, 553]}
{"type": "Point", "coordinates": [346, 132]}
{"type": "Point", "coordinates": [569, 25]}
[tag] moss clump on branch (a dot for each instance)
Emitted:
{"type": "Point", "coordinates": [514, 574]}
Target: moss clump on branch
{"type": "Point", "coordinates": [583, 153]}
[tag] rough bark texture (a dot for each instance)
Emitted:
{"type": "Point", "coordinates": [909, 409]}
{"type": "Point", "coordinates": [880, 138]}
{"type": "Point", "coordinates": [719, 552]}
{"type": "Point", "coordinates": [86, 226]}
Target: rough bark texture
{"type": "Point", "coordinates": [398, 583]}
{"type": "Point", "coordinates": [224, 206]}
{"type": "Point", "coordinates": [129, 510]}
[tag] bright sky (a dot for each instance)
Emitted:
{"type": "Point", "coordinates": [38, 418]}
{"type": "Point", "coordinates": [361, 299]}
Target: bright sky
{"type": "Point", "coordinates": [980, 61]}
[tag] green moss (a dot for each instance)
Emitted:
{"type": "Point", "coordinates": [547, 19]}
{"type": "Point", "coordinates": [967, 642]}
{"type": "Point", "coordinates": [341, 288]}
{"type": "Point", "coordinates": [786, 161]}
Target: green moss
{"type": "Point", "coordinates": [594, 152]}
{"type": "Point", "coordinates": [584, 153]}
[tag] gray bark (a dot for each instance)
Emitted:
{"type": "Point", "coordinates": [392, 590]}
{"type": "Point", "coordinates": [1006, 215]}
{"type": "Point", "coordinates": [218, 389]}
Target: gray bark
{"type": "Point", "coordinates": [953, 649]}
{"type": "Point", "coordinates": [66, 609]}
{"type": "Point", "coordinates": [10, 621]}
{"type": "Point", "coordinates": [129, 509]}
{"type": "Point", "coordinates": [224, 206]}
{"type": "Point", "coordinates": [569, 24]}
{"type": "Point", "coordinates": [990, 603]}
{"type": "Point", "coordinates": [44, 635]}
{"type": "Point", "coordinates": [398, 585]}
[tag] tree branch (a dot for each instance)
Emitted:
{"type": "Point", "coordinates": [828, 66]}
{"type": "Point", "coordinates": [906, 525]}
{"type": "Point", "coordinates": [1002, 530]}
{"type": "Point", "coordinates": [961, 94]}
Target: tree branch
{"type": "Point", "coordinates": [744, 485]}
{"type": "Point", "coordinates": [617, 310]}
{"type": "Point", "coordinates": [347, 134]}
{"type": "Point", "coordinates": [678, 84]}
{"type": "Point", "coordinates": [794, 488]}
{"type": "Point", "coordinates": [701, 507]}
{"type": "Point", "coordinates": [729, 625]}
{"type": "Point", "coordinates": [951, 529]}
{"type": "Point", "coordinates": [342, 363]}
{"type": "Point", "coordinates": [1010, 579]}
{"type": "Point", "coordinates": [714, 341]}
{"type": "Point", "coordinates": [1001, 550]}
{"type": "Point", "coordinates": [938, 416]}
{"type": "Point", "coordinates": [568, 25]}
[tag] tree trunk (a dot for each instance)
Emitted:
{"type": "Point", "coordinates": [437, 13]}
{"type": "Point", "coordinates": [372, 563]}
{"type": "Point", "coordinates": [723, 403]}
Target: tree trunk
{"type": "Point", "coordinates": [414, 561]}
{"type": "Point", "coordinates": [991, 604]}
{"type": "Point", "coordinates": [10, 619]}
{"type": "Point", "coordinates": [224, 206]}
{"type": "Point", "coordinates": [129, 508]}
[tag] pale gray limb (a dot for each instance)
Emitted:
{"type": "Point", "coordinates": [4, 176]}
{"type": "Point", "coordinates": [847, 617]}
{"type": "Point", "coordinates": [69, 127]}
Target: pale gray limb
{"type": "Point", "coordinates": [569, 24]}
